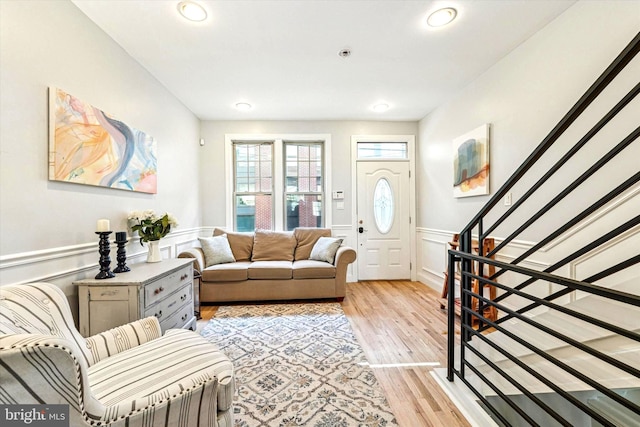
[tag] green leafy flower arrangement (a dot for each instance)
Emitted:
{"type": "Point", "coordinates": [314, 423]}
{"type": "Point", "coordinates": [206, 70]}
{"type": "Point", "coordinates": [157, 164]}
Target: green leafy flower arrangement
{"type": "Point", "coordinates": [150, 226]}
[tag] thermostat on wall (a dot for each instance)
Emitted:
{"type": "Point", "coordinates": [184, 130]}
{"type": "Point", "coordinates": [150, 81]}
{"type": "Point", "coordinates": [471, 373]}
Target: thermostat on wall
{"type": "Point", "coordinates": [338, 195]}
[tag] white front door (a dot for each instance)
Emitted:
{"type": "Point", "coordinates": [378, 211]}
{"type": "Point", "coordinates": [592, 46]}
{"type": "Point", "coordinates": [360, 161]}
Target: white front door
{"type": "Point", "coordinates": [383, 220]}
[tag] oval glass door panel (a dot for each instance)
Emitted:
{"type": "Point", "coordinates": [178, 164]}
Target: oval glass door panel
{"type": "Point", "coordinates": [383, 206]}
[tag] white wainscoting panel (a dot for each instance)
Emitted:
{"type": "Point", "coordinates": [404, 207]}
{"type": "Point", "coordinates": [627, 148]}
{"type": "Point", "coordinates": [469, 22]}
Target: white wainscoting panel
{"type": "Point", "coordinates": [613, 252]}
{"type": "Point", "coordinates": [432, 256]}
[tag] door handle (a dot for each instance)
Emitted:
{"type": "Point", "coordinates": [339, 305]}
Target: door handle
{"type": "Point", "coordinates": [361, 230]}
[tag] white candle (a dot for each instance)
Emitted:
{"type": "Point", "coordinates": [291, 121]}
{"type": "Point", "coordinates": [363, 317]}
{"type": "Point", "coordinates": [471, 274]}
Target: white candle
{"type": "Point", "coordinates": [103, 225]}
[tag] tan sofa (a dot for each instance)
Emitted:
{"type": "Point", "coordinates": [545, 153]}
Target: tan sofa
{"type": "Point", "coordinates": [272, 266]}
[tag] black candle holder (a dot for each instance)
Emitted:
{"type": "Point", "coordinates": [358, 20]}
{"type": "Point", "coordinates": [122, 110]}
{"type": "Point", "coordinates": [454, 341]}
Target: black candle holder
{"type": "Point", "coordinates": [121, 256]}
{"type": "Point", "coordinates": [105, 261]}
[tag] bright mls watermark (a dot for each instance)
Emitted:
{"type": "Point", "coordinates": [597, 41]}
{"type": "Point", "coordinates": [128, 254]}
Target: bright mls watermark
{"type": "Point", "coordinates": [34, 415]}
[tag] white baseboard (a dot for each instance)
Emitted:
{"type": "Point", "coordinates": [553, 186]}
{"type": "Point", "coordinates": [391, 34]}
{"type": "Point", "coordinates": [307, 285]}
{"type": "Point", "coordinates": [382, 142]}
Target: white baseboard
{"type": "Point", "coordinates": [464, 399]}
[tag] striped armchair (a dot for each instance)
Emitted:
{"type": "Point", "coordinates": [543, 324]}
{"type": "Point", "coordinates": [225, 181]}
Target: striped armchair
{"type": "Point", "coordinates": [127, 376]}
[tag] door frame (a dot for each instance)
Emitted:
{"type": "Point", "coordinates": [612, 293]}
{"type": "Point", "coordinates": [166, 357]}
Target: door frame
{"type": "Point", "coordinates": [410, 140]}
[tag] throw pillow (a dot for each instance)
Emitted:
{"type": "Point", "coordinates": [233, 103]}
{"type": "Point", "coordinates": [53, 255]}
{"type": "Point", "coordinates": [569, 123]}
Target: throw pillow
{"type": "Point", "coordinates": [216, 250]}
{"type": "Point", "coordinates": [241, 243]}
{"type": "Point", "coordinates": [325, 249]}
{"type": "Point", "coordinates": [273, 246]}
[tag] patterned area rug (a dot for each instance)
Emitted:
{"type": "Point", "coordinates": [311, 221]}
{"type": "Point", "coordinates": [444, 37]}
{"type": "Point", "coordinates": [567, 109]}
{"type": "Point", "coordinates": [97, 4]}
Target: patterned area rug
{"type": "Point", "coordinates": [298, 365]}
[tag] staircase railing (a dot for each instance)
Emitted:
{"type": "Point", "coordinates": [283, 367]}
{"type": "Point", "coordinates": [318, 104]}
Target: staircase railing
{"type": "Point", "coordinates": [476, 328]}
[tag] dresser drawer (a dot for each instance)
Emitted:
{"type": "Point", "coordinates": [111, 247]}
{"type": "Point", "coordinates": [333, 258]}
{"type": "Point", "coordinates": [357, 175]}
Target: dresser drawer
{"type": "Point", "coordinates": [109, 293]}
{"type": "Point", "coordinates": [177, 319]}
{"type": "Point", "coordinates": [156, 291]}
{"type": "Point", "coordinates": [165, 308]}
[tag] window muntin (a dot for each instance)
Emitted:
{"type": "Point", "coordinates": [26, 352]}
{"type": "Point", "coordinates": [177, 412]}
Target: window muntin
{"type": "Point", "coordinates": [382, 150]}
{"type": "Point", "coordinates": [303, 184]}
{"type": "Point", "coordinates": [383, 206]}
{"type": "Point", "coordinates": [253, 185]}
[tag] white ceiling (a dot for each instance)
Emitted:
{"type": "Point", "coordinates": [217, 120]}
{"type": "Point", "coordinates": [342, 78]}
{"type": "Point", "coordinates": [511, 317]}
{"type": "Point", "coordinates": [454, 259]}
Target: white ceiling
{"type": "Point", "coordinates": [282, 56]}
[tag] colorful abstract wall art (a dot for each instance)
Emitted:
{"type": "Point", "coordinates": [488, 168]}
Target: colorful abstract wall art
{"type": "Point", "coordinates": [471, 163]}
{"type": "Point", "coordinates": [88, 146]}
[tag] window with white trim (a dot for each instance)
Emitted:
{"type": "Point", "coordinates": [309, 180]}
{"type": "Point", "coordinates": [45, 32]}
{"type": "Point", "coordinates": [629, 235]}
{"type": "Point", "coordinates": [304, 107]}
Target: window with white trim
{"type": "Point", "coordinates": [382, 150]}
{"type": "Point", "coordinates": [253, 185]}
{"type": "Point", "coordinates": [277, 184]}
{"type": "Point", "coordinates": [303, 184]}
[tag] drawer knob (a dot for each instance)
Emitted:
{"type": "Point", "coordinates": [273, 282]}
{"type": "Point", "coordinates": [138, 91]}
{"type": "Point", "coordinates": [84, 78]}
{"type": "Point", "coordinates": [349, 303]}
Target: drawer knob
{"type": "Point", "coordinates": [184, 317]}
{"type": "Point", "coordinates": [108, 293]}
{"type": "Point", "coordinates": [158, 290]}
{"type": "Point", "coordinates": [183, 297]}
{"type": "Point", "coordinates": [183, 277]}
{"type": "Point", "coordinates": [158, 315]}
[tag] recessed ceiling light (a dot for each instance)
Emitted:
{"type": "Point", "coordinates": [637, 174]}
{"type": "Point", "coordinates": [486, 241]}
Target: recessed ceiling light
{"type": "Point", "coordinates": [243, 106]}
{"type": "Point", "coordinates": [380, 108]}
{"type": "Point", "coordinates": [442, 17]}
{"type": "Point", "coordinates": [192, 11]}
{"type": "Point", "coordinates": [344, 53]}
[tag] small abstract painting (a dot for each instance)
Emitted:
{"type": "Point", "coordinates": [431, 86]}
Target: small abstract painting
{"type": "Point", "coordinates": [88, 146]}
{"type": "Point", "coordinates": [471, 163]}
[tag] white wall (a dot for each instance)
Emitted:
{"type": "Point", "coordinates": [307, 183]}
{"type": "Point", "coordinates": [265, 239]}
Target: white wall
{"type": "Point", "coordinates": [47, 228]}
{"type": "Point", "coordinates": [212, 156]}
{"type": "Point", "coordinates": [523, 97]}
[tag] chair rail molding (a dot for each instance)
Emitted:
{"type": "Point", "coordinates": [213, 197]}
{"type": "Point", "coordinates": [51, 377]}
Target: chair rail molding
{"type": "Point", "coordinates": [62, 265]}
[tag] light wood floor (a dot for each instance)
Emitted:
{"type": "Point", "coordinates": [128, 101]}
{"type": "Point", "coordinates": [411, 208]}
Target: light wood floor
{"type": "Point", "coordinates": [400, 322]}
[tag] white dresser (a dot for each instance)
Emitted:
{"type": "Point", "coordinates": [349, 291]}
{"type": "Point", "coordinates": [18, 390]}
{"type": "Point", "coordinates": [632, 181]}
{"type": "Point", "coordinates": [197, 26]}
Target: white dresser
{"type": "Point", "coordinates": [163, 289]}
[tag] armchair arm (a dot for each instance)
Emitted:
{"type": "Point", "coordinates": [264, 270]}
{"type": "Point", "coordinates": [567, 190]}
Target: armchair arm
{"type": "Point", "coordinates": [116, 340]}
{"type": "Point", "coordinates": [43, 368]}
{"type": "Point", "coordinates": [196, 253]}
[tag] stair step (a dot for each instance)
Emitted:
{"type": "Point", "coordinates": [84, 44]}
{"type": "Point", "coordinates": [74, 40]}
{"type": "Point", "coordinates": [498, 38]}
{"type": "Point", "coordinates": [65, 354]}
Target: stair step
{"type": "Point", "coordinates": [614, 412]}
{"type": "Point", "coordinates": [595, 369]}
{"type": "Point", "coordinates": [622, 349]}
{"type": "Point", "coordinates": [631, 286]}
{"type": "Point", "coordinates": [622, 315]}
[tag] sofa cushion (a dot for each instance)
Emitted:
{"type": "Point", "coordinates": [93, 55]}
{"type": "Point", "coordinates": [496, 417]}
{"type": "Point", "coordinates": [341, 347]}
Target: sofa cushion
{"type": "Point", "coordinates": [273, 246]}
{"type": "Point", "coordinates": [270, 270]}
{"type": "Point", "coordinates": [325, 249]}
{"type": "Point", "coordinates": [309, 269]}
{"type": "Point", "coordinates": [241, 243]}
{"type": "Point", "coordinates": [232, 272]}
{"type": "Point", "coordinates": [306, 238]}
{"type": "Point", "coordinates": [216, 250]}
